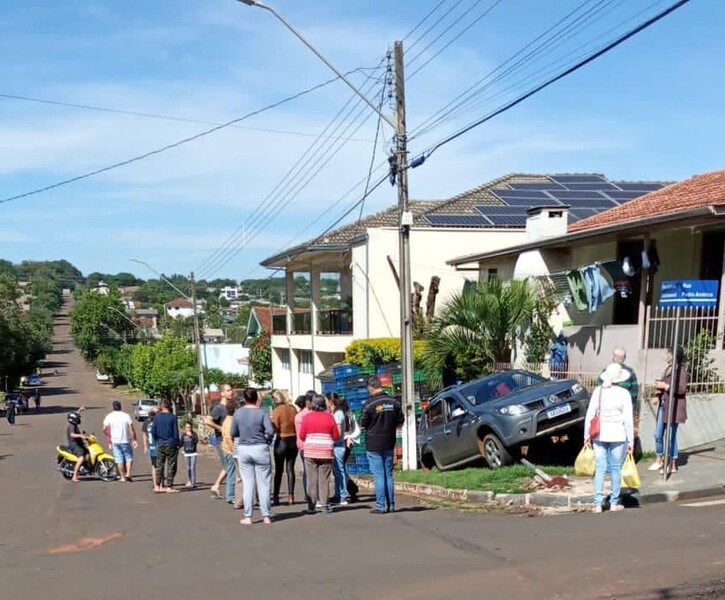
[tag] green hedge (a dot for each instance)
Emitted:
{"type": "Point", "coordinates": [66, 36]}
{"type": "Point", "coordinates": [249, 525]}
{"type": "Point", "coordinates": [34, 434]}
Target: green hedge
{"type": "Point", "coordinates": [379, 351]}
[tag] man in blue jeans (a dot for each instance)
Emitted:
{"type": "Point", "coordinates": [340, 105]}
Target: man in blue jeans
{"type": "Point", "coordinates": [381, 417]}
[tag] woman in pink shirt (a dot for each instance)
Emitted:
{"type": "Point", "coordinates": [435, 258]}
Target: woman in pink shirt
{"type": "Point", "coordinates": [318, 432]}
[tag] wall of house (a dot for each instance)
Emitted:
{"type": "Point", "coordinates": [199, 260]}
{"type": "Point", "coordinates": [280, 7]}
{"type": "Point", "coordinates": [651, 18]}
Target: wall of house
{"type": "Point", "coordinates": [591, 346]}
{"type": "Point", "coordinates": [679, 253]}
{"type": "Point", "coordinates": [226, 357]}
{"type": "Point", "coordinates": [429, 250]}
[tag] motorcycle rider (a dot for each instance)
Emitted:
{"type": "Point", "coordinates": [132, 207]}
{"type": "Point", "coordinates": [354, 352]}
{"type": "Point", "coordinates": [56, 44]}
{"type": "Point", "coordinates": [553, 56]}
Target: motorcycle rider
{"type": "Point", "coordinates": [77, 441]}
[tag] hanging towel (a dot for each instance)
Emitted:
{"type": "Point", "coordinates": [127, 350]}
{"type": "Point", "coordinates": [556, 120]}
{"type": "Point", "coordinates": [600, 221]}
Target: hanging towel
{"type": "Point", "coordinates": [645, 260]}
{"type": "Point", "coordinates": [597, 287]}
{"type": "Point", "coordinates": [653, 255]}
{"type": "Point", "coordinates": [578, 289]}
{"type": "Point", "coordinates": [619, 278]}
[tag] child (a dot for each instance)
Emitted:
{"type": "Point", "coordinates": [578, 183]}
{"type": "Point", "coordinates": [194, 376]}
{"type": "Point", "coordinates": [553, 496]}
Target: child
{"type": "Point", "coordinates": [149, 446]}
{"type": "Point", "coordinates": [189, 439]}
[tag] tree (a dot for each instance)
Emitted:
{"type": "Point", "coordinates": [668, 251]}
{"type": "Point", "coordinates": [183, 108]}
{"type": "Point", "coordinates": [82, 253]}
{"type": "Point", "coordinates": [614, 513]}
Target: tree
{"type": "Point", "coordinates": [97, 321]}
{"type": "Point", "coordinates": [477, 328]}
{"type": "Point", "coordinates": [170, 356]}
{"type": "Point", "coordinates": [260, 359]}
{"type": "Point", "coordinates": [538, 337]}
{"type": "Point", "coordinates": [110, 362]}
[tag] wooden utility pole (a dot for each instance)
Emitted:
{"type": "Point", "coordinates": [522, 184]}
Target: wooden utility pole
{"type": "Point", "coordinates": [197, 342]}
{"type": "Point", "coordinates": [410, 458]}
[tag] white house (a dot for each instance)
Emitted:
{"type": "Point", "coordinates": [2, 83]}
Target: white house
{"type": "Point", "coordinates": [673, 233]}
{"type": "Point", "coordinates": [179, 308]}
{"type": "Point", "coordinates": [230, 293]}
{"type": "Point", "coordinates": [364, 256]}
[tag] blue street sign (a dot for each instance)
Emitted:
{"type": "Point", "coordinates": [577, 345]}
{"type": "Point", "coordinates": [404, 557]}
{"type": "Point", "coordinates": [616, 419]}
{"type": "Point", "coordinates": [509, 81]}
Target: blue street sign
{"type": "Point", "coordinates": [689, 293]}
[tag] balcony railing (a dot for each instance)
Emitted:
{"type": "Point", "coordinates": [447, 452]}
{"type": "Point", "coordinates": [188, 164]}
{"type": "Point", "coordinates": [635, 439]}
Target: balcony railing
{"type": "Point", "coordinates": [302, 323]}
{"type": "Point", "coordinates": [333, 322]}
{"type": "Point", "coordinates": [279, 324]}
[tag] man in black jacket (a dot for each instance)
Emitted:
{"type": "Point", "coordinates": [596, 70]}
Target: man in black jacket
{"type": "Point", "coordinates": [381, 417]}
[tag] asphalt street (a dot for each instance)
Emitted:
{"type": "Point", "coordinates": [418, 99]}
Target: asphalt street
{"type": "Point", "coordinates": [119, 541]}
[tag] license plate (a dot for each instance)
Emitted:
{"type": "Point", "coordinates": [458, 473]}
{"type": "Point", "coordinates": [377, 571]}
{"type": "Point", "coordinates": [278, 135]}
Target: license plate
{"type": "Point", "coordinates": [558, 411]}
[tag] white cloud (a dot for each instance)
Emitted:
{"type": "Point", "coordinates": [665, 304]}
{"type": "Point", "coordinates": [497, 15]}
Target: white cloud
{"type": "Point", "coordinates": [14, 237]}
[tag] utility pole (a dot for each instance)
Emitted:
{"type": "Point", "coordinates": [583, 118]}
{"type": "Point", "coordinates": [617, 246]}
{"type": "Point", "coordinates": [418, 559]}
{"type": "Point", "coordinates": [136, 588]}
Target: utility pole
{"type": "Point", "coordinates": [410, 455]}
{"type": "Point", "coordinates": [197, 341]}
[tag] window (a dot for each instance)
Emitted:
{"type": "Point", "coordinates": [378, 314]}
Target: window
{"type": "Point", "coordinates": [284, 359]}
{"type": "Point", "coordinates": [454, 408]}
{"type": "Point", "coordinates": [306, 362]}
{"type": "Point", "coordinates": [435, 414]}
{"type": "Point", "coordinates": [498, 385]}
{"type": "Point", "coordinates": [492, 274]}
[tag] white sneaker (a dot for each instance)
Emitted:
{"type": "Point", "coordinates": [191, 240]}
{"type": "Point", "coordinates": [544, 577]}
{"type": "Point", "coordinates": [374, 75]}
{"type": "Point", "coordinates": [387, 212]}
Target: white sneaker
{"type": "Point", "coordinates": [597, 509]}
{"type": "Point", "coordinates": [655, 466]}
{"type": "Point", "coordinates": [343, 502]}
{"type": "Point", "coordinates": [318, 505]}
{"type": "Point", "coordinates": [616, 508]}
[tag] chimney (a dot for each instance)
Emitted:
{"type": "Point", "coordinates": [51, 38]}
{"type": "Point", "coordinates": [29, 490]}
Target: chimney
{"type": "Point", "coordinates": [544, 222]}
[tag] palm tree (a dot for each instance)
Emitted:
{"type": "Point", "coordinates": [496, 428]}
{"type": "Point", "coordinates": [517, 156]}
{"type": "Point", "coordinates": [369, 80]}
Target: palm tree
{"type": "Point", "coordinates": [476, 328]}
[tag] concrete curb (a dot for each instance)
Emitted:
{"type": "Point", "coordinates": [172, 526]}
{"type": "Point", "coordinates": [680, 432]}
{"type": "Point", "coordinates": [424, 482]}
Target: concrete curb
{"type": "Point", "coordinates": [538, 499]}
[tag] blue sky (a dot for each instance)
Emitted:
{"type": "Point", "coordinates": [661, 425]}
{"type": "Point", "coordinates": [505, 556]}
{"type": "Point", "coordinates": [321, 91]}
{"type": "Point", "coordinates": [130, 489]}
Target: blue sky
{"type": "Point", "coordinates": [651, 109]}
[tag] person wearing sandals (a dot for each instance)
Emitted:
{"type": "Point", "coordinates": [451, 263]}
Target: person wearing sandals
{"type": "Point", "coordinates": [252, 428]}
{"type": "Point", "coordinates": [613, 405]}
{"type": "Point", "coordinates": [661, 403]}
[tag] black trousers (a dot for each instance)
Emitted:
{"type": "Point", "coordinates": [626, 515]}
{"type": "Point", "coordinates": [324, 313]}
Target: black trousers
{"type": "Point", "coordinates": [285, 455]}
{"type": "Point", "coordinates": [166, 456]}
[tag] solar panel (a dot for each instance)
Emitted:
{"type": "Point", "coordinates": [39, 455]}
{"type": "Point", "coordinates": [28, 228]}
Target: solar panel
{"type": "Point", "coordinates": [532, 194]}
{"type": "Point", "coordinates": [549, 185]}
{"type": "Point", "coordinates": [572, 218]}
{"type": "Point", "coordinates": [577, 195]}
{"type": "Point", "coordinates": [601, 203]}
{"type": "Point", "coordinates": [458, 220]}
{"type": "Point", "coordinates": [508, 220]}
{"type": "Point", "coordinates": [638, 187]}
{"type": "Point", "coordinates": [502, 210]}
{"type": "Point", "coordinates": [567, 179]}
{"type": "Point", "coordinates": [530, 202]}
{"type": "Point", "coordinates": [583, 213]}
{"type": "Point", "coordinates": [624, 196]}
{"type": "Point", "coordinates": [591, 186]}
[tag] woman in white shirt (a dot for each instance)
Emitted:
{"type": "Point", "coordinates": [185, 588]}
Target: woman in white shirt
{"type": "Point", "coordinates": [616, 433]}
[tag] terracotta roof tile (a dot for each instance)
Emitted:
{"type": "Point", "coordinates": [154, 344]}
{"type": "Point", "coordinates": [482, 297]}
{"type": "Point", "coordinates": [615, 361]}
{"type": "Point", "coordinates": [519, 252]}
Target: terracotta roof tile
{"type": "Point", "coordinates": [698, 192]}
{"type": "Point", "coordinates": [179, 303]}
{"type": "Point", "coordinates": [264, 316]}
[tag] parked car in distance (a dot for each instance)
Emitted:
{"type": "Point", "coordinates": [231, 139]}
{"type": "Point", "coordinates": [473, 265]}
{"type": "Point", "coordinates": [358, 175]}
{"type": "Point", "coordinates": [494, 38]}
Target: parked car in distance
{"type": "Point", "coordinates": [17, 400]}
{"type": "Point", "coordinates": [492, 417]}
{"type": "Point", "coordinates": [102, 377]}
{"type": "Point", "coordinates": [34, 380]}
{"type": "Point", "coordinates": [144, 407]}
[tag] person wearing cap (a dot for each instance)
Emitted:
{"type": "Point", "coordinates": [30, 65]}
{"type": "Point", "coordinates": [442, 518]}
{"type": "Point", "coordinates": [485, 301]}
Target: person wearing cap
{"type": "Point", "coordinates": [118, 426]}
{"type": "Point", "coordinates": [613, 404]}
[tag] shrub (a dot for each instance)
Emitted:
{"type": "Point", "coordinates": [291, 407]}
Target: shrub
{"type": "Point", "coordinates": [372, 352]}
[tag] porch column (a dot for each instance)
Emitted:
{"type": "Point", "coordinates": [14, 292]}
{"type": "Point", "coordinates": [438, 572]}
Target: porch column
{"type": "Point", "coordinates": [645, 276]}
{"type": "Point", "coordinates": [289, 281]}
{"type": "Point", "coordinates": [721, 309]}
{"type": "Point", "coordinates": [314, 301]}
{"type": "Point", "coordinates": [294, 370]}
{"type": "Point", "coordinates": [345, 285]}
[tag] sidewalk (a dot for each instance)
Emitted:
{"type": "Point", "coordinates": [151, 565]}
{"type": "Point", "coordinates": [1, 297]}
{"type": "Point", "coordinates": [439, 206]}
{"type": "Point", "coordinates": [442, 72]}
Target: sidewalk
{"type": "Point", "coordinates": [701, 474]}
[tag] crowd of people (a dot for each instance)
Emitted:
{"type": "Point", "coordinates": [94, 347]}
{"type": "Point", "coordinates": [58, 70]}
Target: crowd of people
{"type": "Point", "coordinates": [611, 423]}
{"type": "Point", "coordinates": [248, 439]}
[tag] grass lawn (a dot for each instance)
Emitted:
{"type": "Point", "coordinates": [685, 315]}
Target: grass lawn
{"type": "Point", "coordinates": [509, 480]}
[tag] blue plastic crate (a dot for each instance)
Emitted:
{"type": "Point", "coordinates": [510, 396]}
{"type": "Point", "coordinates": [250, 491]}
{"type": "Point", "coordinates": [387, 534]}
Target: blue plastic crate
{"type": "Point", "coordinates": [342, 371]}
{"type": "Point", "coordinates": [328, 386]}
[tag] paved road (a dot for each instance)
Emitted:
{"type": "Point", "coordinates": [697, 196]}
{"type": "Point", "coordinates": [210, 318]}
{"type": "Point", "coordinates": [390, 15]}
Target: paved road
{"type": "Point", "coordinates": [119, 541]}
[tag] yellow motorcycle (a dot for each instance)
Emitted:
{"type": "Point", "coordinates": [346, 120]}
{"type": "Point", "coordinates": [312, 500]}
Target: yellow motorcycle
{"type": "Point", "coordinates": [100, 463]}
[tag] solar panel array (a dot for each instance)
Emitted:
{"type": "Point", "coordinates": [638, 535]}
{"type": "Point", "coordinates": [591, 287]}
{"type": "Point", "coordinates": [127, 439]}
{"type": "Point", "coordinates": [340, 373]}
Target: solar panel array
{"type": "Point", "coordinates": [585, 195]}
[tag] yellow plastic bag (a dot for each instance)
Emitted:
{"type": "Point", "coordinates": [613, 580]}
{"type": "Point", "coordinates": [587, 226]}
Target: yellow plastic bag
{"type": "Point", "coordinates": [630, 477]}
{"type": "Point", "coordinates": [585, 465]}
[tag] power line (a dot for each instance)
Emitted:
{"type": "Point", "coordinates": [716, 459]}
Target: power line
{"type": "Point", "coordinates": [168, 146]}
{"type": "Point", "coordinates": [266, 212]}
{"type": "Point", "coordinates": [427, 31]}
{"type": "Point", "coordinates": [620, 40]}
{"type": "Point", "coordinates": [467, 95]}
{"type": "Point", "coordinates": [294, 176]}
{"type": "Point", "coordinates": [424, 19]}
{"type": "Point", "coordinates": [148, 115]}
{"type": "Point", "coordinates": [456, 37]}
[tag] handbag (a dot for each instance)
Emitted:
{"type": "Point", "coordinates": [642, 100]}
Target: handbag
{"type": "Point", "coordinates": [594, 426]}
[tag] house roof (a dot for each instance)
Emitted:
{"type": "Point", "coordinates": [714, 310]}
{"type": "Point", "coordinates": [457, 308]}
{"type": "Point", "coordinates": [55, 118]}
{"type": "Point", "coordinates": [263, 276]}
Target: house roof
{"type": "Point", "coordinates": [697, 192]}
{"type": "Point", "coordinates": [211, 332]}
{"type": "Point", "coordinates": [146, 312]}
{"type": "Point", "coordinates": [179, 303]}
{"type": "Point", "coordinates": [263, 314]}
{"type": "Point", "coordinates": [467, 210]}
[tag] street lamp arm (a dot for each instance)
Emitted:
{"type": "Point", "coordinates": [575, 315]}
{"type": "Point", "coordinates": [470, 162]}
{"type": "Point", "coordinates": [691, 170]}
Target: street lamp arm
{"type": "Point", "coordinates": [319, 55]}
{"type": "Point", "coordinates": [160, 276]}
{"type": "Point", "coordinates": [136, 325]}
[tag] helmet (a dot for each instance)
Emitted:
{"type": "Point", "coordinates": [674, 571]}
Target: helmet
{"type": "Point", "coordinates": [74, 418]}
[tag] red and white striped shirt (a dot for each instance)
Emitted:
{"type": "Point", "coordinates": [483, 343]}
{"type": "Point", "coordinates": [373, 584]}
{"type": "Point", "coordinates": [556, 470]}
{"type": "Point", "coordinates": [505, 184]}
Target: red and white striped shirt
{"type": "Point", "coordinates": [319, 432]}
